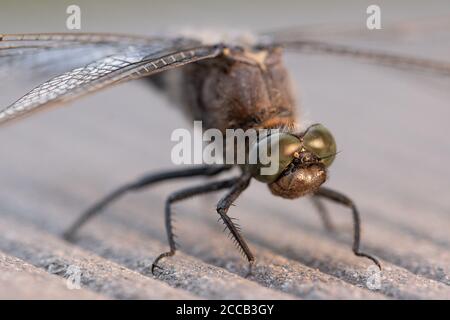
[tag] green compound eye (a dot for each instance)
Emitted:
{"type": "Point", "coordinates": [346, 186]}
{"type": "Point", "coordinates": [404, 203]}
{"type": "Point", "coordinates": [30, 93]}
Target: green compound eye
{"type": "Point", "coordinates": [320, 141]}
{"type": "Point", "coordinates": [282, 143]}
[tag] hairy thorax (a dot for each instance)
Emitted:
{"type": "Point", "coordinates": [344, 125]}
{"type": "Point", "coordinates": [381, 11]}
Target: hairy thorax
{"type": "Point", "coordinates": [239, 89]}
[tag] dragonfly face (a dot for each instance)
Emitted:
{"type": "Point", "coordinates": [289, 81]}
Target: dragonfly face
{"type": "Point", "coordinates": [303, 161]}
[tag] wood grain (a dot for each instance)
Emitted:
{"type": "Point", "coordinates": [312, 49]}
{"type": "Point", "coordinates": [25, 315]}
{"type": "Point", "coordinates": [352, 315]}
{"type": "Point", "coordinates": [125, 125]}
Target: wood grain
{"type": "Point", "coordinates": [390, 125]}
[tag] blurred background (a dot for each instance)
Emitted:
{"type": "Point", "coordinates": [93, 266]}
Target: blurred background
{"type": "Point", "coordinates": [390, 125]}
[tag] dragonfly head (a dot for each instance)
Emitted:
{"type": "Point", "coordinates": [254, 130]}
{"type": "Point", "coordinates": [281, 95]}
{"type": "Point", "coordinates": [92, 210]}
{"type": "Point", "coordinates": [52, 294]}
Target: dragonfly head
{"type": "Point", "coordinates": [303, 162]}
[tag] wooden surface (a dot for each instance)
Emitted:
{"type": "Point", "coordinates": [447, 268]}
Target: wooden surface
{"type": "Point", "coordinates": [390, 125]}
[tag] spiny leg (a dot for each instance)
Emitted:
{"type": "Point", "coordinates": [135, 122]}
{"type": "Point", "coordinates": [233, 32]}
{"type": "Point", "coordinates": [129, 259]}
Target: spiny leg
{"type": "Point", "coordinates": [188, 193]}
{"type": "Point", "coordinates": [145, 181]}
{"type": "Point", "coordinates": [344, 200]}
{"type": "Point", "coordinates": [222, 208]}
{"type": "Point", "coordinates": [323, 213]}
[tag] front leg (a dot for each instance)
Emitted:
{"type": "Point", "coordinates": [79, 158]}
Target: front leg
{"type": "Point", "coordinates": [191, 192]}
{"type": "Point", "coordinates": [222, 208]}
{"type": "Point", "coordinates": [344, 200]}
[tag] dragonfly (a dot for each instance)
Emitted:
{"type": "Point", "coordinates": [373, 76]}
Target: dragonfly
{"type": "Point", "coordinates": [237, 82]}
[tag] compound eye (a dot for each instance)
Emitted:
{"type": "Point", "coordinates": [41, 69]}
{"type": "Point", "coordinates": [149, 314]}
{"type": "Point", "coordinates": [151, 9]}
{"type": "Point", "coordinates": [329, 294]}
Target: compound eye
{"type": "Point", "coordinates": [284, 144]}
{"type": "Point", "coordinates": [320, 141]}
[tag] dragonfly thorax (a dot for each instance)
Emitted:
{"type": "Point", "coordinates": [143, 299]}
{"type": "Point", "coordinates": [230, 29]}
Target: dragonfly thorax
{"type": "Point", "coordinates": [240, 88]}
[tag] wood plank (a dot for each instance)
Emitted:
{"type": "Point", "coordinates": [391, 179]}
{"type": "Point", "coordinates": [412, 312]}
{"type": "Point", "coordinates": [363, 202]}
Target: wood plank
{"type": "Point", "coordinates": [391, 127]}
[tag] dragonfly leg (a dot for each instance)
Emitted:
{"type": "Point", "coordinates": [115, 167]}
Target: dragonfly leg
{"type": "Point", "coordinates": [237, 185]}
{"type": "Point", "coordinates": [344, 200]}
{"type": "Point", "coordinates": [323, 213]}
{"type": "Point", "coordinates": [145, 181]}
{"type": "Point", "coordinates": [182, 195]}
{"type": "Point", "coordinates": [222, 208]}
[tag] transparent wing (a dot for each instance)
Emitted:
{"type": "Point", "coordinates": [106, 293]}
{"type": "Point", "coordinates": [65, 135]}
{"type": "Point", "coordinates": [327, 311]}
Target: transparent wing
{"type": "Point", "coordinates": [419, 27]}
{"type": "Point", "coordinates": [23, 44]}
{"type": "Point", "coordinates": [325, 39]}
{"type": "Point", "coordinates": [47, 54]}
{"type": "Point", "coordinates": [135, 62]}
{"type": "Point", "coordinates": [380, 57]}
